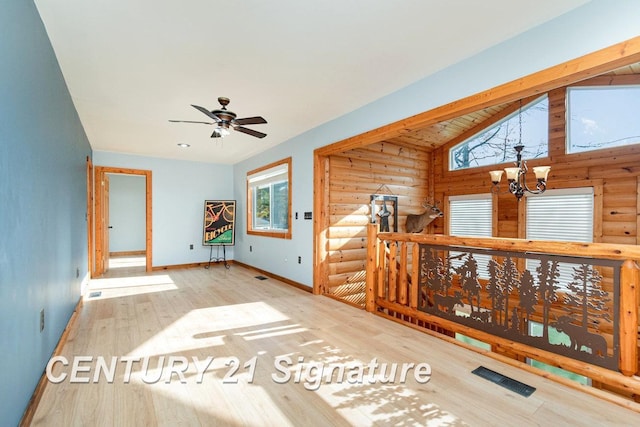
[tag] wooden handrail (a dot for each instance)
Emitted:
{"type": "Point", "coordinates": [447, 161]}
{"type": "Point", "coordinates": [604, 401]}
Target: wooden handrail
{"type": "Point", "coordinates": [591, 250]}
{"type": "Point", "coordinates": [383, 274]}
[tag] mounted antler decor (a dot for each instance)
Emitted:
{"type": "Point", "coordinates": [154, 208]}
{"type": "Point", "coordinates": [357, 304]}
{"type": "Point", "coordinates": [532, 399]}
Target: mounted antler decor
{"type": "Point", "coordinates": [417, 223]}
{"type": "Point", "coordinates": [516, 176]}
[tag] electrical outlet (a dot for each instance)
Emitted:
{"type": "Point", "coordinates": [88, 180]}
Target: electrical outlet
{"type": "Point", "coordinates": [191, 246]}
{"type": "Point", "coordinates": [42, 320]}
{"type": "Point", "coordinates": [296, 215]}
{"type": "Point", "coordinates": [299, 260]}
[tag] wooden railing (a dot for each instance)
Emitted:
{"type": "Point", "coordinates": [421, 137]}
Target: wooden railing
{"type": "Point", "coordinates": [412, 279]}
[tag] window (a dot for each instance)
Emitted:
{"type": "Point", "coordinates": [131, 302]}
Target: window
{"type": "Point", "coordinates": [560, 215]}
{"type": "Point", "coordinates": [494, 144]}
{"type": "Point", "coordinates": [471, 216]}
{"type": "Point", "coordinates": [269, 200]}
{"type": "Point", "coordinates": [602, 117]}
{"type": "Point", "coordinates": [555, 337]}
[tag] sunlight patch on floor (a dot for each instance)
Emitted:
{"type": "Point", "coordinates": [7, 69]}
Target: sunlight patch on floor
{"type": "Point", "coordinates": [201, 328]}
{"type": "Point", "coordinates": [272, 332]}
{"type": "Point", "coordinates": [128, 286]}
{"type": "Point", "coordinates": [127, 261]}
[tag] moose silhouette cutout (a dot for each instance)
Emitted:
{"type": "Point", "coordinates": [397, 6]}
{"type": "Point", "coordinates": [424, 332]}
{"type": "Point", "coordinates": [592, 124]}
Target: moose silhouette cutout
{"type": "Point", "coordinates": [580, 336]}
{"type": "Point", "coordinates": [446, 303]}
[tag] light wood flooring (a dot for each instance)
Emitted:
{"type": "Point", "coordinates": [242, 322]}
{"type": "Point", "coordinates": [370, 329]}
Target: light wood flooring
{"type": "Point", "coordinates": [230, 314]}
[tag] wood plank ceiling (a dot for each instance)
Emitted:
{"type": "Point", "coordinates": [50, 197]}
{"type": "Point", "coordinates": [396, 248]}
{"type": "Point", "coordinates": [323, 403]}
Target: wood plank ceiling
{"type": "Point", "coordinates": [434, 136]}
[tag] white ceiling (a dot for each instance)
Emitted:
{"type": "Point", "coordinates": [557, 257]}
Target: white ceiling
{"type": "Point", "coordinates": [131, 65]}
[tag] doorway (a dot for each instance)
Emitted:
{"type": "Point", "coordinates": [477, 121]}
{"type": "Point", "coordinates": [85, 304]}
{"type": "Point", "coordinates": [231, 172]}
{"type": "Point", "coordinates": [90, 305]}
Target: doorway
{"type": "Point", "coordinates": [102, 221]}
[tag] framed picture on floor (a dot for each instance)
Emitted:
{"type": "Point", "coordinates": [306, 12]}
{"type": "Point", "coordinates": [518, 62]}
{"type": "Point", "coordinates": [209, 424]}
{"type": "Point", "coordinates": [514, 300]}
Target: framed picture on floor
{"type": "Point", "coordinates": [219, 222]}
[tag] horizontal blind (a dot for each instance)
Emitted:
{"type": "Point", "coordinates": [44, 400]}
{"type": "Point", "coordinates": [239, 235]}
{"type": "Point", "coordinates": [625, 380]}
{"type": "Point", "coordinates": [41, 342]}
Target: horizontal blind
{"type": "Point", "coordinates": [561, 217]}
{"type": "Point", "coordinates": [471, 216]}
{"type": "Point", "coordinates": [269, 176]}
{"type": "Point", "coordinates": [565, 215]}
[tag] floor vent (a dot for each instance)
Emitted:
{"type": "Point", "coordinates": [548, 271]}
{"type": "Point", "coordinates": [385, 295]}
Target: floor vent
{"type": "Point", "coordinates": [261, 278]}
{"type": "Point", "coordinates": [506, 382]}
{"type": "Point", "coordinates": [95, 294]}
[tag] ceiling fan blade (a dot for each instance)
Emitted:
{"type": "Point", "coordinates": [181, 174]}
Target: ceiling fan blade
{"type": "Point", "coordinates": [207, 112]}
{"type": "Point", "coordinates": [250, 121]}
{"type": "Point", "coordinates": [250, 132]}
{"type": "Point", "coordinates": [190, 121]}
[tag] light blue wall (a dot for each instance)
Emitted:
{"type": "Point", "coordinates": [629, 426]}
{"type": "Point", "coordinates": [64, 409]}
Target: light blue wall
{"type": "Point", "coordinates": [596, 25]}
{"type": "Point", "coordinates": [179, 189]}
{"type": "Point", "coordinates": [127, 213]}
{"type": "Point", "coordinates": [42, 174]}
{"type": "Point", "coordinates": [43, 242]}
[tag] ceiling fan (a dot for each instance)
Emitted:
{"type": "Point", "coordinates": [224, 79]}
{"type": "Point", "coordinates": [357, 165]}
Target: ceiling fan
{"type": "Point", "coordinates": [226, 120]}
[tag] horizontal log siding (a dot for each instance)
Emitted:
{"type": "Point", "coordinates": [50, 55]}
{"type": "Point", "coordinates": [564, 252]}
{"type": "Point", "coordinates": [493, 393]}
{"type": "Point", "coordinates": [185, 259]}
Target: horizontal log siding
{"type": "Point", "coordinates": [354, 176]}
{"type": "Point", "coordinates": [613, 172]}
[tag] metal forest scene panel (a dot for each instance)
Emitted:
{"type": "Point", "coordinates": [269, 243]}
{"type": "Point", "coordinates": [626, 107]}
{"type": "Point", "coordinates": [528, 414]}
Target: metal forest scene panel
{"type": "Point", "coordinates": [559, 305]}
{"type": "Point", "coordinates": [219, 222]}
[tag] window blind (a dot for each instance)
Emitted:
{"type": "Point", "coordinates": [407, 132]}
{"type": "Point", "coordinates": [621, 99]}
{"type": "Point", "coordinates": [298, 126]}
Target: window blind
{"type": "Point", "coordinates": [471, 216]}
{"type": "Point", "coordinates": [560, 215]}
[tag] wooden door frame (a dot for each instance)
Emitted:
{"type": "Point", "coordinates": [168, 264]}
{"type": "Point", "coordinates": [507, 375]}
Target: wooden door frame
{"type": "Point", "coordinates": [564, 74]}
{"type": "Point", "coordinates": [90, 236]}
{"type": "Point", "coordinates": [99, 229]}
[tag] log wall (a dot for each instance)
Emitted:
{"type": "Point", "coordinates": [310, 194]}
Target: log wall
{"type": "Point", "coordinates": [380, 168]}
{"type": "Point", "coordinates": [614, 174]}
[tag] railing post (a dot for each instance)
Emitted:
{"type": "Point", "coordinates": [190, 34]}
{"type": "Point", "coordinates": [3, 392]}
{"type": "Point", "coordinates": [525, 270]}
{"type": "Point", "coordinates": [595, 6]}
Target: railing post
{"type": "Point", "coordinates": [372, 267]}
{"type": "Point", "coordinates": [629, 282]}
{"type": "Point", "coordinates": [415, 277]}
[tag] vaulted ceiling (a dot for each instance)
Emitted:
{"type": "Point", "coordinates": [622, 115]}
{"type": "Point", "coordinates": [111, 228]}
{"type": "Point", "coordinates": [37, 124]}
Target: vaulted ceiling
{"type": "Point", "coordinates": [131, 66]}
{"type": "Point", "coordinates": [460, 128]}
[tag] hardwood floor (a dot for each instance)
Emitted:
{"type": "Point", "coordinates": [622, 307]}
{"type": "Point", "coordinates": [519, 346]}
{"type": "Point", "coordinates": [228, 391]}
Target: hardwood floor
{"type": "Point", "coordinates": [169, 318]}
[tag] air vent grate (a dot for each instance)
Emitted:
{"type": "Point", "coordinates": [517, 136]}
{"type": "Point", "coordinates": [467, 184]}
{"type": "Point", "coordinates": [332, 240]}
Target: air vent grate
{"type": "Point", "coordinates": [261, 278]}
{"type": "Point", "coordinates": [504, 381]}
{"type": "Point", "coordinates": [95, 294]}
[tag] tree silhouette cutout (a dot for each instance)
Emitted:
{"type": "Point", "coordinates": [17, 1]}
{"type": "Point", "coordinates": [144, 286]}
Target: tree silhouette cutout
{"type": "Point", "coordinates": [510, 282]}
{"type": "Point", "coordinates": [494, 289]}
{"type": "Point", "coordinates": [528, 295]}
{"type": "Point", "coordinates": [470, 284]}
{"type": "Point", "coordinates": [586, 297]}
{"type": "Point", "coordinates": [548, 285]}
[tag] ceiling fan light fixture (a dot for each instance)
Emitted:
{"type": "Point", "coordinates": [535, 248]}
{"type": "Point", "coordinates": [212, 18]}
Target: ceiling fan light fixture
{"type": "Point", "coordinates": [220, 132]}
{"type": "Point", "coordinates": [225, 120]}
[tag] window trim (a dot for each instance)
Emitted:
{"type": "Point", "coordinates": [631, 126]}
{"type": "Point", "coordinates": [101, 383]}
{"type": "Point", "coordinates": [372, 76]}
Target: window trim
{"type": "Point", "coordinates": [587, 86]}
{"type": "Point", "coordinates": [475, 196]}
{"type": "Point", "coordinates": [596, 184]}
{"type": "Point", "coordinates": [484, 126]}
{"type": "Point", "coordinates": [594, 190]}
{"type": "Point", "coordinates": [488, 197]}
{"type": "Point", "coordinates": [285, 234]}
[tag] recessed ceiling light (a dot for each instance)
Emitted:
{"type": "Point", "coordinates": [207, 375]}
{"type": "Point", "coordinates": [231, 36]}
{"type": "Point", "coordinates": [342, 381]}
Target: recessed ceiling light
{"type": "Point", "coordinates": [183, 145]}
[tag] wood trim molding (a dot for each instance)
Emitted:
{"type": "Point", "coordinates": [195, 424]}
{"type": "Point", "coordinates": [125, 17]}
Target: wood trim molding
{"type": "Point", "coordinates": [99, 172]}
{"type": "Point", "coordinates": [270, 233]}
{"type": "Point", "coordinates": [570, 72]}
{"type": "Point", "coordinates": [275, 276]}
{"type": "Point", "coordinates": [27, 417]}
{"type": "Point", "coordinates": [90, 216]}
{"type": "Point", "coordinates": [564, 74]}
{"type": "Point", "coordinates": [127, 253]}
